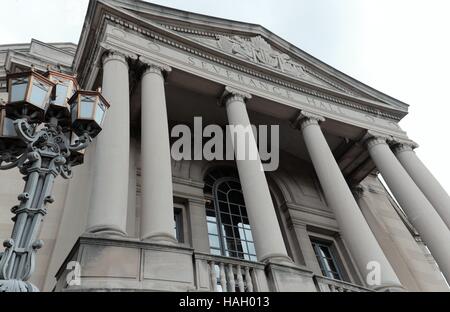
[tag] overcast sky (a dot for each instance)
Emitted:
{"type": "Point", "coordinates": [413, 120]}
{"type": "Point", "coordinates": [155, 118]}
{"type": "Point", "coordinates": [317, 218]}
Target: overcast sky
{"type": "Point", "coordinates": [400, 47]}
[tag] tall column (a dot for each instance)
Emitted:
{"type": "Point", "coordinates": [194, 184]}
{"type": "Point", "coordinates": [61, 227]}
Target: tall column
{"type": "Point", "coordinates": [109, 196]}
{"type": "Point", "coordinates": [157, 216]}
{"type": "Point", "coordinates": [261, 212]}
{"type": "Point", "coordinates": [424, 179]}
{"type": "Point", "coordinates": [420, 212]}
{"type": "Point", "coordinates": [360, 240]}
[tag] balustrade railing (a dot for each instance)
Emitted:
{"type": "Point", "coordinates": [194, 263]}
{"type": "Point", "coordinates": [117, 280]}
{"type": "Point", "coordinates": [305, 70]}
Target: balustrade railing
{"type": "Point", "coordinates": [325, 284]}
{"type": "Point", "coordinates": [232, 275]}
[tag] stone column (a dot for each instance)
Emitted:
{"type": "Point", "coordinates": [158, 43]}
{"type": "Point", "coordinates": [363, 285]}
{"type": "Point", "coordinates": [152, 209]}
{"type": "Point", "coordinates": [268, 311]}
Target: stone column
{"type": "Point", "coordinates": [360, 240]}
{"type": "Point", "coordinates": [266, 231]}
{"type": "Point", "coordinates": [424, 179]}
{"type": "Point", "coordinates": [420, 212]}
{"type": "Point", "coordinates": [109, 196]}
{"type": "Point", "coordinates": [157, 195]}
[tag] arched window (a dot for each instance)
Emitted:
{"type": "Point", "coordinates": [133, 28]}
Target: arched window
{"type": "Point", "coordinates": [229, 229]}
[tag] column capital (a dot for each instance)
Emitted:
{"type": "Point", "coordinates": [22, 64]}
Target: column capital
{"type": "Point", "coordinates": [402, 145]}
{"type": "Point", "coordinates": [231, 93]}
{"type": "Point", "coordinates": [112, 54]}
{"type": "Point", "coordinates": [305, 119]}
{"type": "Point", "coordinates": [373, 138]}
{"type": "Point", "coordinates": [152, 66]}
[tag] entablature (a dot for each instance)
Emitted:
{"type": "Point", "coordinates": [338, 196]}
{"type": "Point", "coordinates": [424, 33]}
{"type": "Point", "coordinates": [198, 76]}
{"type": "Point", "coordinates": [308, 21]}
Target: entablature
{"type": "Point", "coordinates": [142, 38]}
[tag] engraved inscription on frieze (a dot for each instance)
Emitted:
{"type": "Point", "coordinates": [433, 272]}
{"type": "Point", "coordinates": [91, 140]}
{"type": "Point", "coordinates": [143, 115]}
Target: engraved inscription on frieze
{"type": "Point", "coordinates": [257, 49]}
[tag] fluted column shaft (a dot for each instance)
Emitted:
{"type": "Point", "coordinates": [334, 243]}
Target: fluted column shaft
{"type": "Point", "coordinates": [425, 180]}
{"type": "Point", "coordinates": [261, 212]}
{"type": "Point", "coordinates": [420, 212]}
{"type": "Point", "coordinates": [360, 240]}
{"type": "Point", "coordinates": [157, 217]}
{"type": "Point", "coordinates": [109, 197]}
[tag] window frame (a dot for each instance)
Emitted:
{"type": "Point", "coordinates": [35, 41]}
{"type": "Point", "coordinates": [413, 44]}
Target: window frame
{"type": "Point", "coordinates": [334, 255]}
{"type": "Point", "coordinates": [224, 251]}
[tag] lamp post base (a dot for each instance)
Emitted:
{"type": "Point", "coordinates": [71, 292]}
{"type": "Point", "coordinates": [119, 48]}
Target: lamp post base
{"type": "Point", "coordinates": [17, 286]}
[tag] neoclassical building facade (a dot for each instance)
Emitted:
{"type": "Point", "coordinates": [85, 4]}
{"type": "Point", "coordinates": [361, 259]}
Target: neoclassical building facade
{"type": "Point", "coordinates": [135, 218]}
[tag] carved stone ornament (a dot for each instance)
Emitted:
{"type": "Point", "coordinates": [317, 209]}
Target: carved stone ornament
{"type": "Point", "coordinates": [231, 93]}
{"type": "Point", "coordinates": [153, 66]}
{"type": "Point", "coordinates": [401, 145]}
{"type": "Point", "coordinates": [373, 138]}
{"type": "Point", "coordinates": [257, 50]}
{"type": "Point", "coordinates": [305, 119]}
{"type": "Point", "coordinates": [113, 53]}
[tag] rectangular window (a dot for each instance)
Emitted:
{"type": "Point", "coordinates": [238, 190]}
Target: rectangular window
{"type": "Point", "coordinates": [326, 257]}
{"type": "Point", "coordinates": [178, 224]}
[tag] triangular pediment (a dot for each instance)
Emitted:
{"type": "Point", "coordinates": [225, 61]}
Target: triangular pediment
{"type": "Point", "coordinates": [257, 50]}
{"type": "Point", "coordinates": [256, 47]}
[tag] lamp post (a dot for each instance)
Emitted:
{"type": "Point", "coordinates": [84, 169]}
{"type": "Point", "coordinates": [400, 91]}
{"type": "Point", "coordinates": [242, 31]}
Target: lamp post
{"type": "Point", "coordinates": [44, 128]}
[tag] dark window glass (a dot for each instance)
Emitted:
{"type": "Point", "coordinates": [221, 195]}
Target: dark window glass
{"type": "Point", "coordinates": [178, 224]}
{"type": "Point", "coordinates": [327, 260]}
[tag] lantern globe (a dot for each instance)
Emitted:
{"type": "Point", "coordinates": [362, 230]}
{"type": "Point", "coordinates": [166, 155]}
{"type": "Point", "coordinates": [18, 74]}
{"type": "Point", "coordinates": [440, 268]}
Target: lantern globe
{"type": "Point", "coordinates": [88, 110]}
{"type": "Point", "coordinates": [9, 139]}
{"type": "Point", "coordinates": [65, 88]}
{"type": "Point", "coordinates": [29, 94]}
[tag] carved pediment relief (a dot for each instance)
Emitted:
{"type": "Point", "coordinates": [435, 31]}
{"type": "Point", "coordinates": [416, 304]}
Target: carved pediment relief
{"type": "Point", "coordinates": [257, 50]}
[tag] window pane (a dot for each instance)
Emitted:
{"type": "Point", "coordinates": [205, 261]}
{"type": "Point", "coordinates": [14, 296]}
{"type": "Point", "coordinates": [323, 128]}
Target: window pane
{"type": "Point", "coordinates": [99, 113]}
{"type": "Point", "coordinates": [87, 108]}
{"type": "Point", "coordinates": [61, 94]}
{"type": "Point", "coordinates": [234, 209]}
{"type": "Point", "coordinates": [222, 196]}
{"type": "Point", "coordinates": [236, 220]}
{"type": "Point", "coordinates": [251, 248]}
{"type": "Point", "coordinates": [223, 207]}
{"type": "Point", "coordinates": [39, 94]}
{"type": "Point", "coordinates": [236, 197]}
{"type": "Point", "coordinates": [214, 241]}
{"type": "Point", "coordinates": [18, 89]}
{"type": "Point", "coordinates": [248, 235]}
{"type": "Point", "coordinates": [227, 230]}
{"type": "Point", "coordinates": [212, 228]}
{"type": "Point", "coordinates": [225, 218]}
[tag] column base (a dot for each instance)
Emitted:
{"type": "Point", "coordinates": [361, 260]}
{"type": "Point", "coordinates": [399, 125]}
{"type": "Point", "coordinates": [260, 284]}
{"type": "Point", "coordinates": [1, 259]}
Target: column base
{"type": "Point", "coordinates": [277, 258]}
{"type": "Point", "coordinates": [161, 238]}
{"type": "Point", "coordinates": [17, 286]}
{"type": "Point", "coordinates": [107, 230]}
{"type": "Point", "coordinates": [288, 277]}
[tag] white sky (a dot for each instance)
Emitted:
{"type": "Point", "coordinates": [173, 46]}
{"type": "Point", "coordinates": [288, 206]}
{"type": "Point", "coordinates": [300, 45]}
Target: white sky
{"type": "Point", "coordinates": [400, 47]}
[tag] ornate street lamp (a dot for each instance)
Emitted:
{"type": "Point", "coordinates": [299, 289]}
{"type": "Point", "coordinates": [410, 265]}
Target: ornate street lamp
{"type": "Point", "coordinates": [44, 128]}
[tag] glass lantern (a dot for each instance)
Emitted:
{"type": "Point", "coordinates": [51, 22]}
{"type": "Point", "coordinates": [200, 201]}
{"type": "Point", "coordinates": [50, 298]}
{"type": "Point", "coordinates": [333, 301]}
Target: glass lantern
{"type": "Point", "coordinates": [8, 135]}
{"type": "Point", "coordinates": [65, 88]}
{"type": "Point", "coordinates": [88, 110]}
{"type": "Point", "coordinates": [28, 95]}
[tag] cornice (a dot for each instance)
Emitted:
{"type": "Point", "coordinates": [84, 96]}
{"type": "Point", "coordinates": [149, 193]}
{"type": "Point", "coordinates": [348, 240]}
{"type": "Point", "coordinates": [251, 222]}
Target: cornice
{"type": "Point", "coordinates": [196, 49]}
